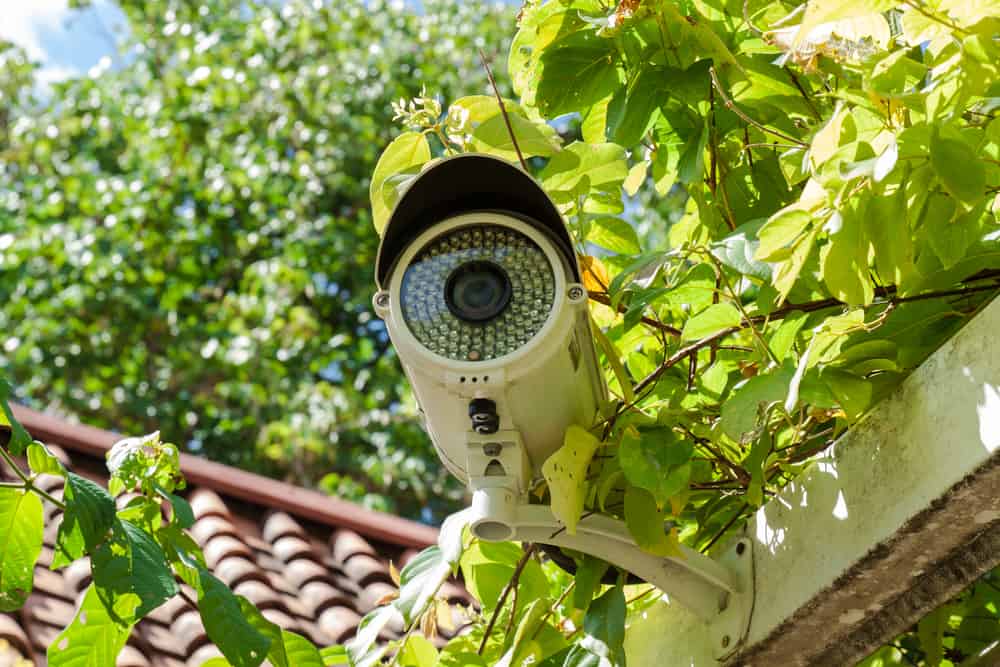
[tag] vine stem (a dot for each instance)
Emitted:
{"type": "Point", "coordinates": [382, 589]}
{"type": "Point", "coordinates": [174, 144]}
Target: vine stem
{"type": "Point", "coordinates": [552, 609]}
{"type": "Point", "coordinates": [739, 112]}
{"type": "Point", "coordinates": [503, 109]}
{"type": "Point", "coordinates": [28, 483]}
{"type": "Point", "coordinates": [512, 584]}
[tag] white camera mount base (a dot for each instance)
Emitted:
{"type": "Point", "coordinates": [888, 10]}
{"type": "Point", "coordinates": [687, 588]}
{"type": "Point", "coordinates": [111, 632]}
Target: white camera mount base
{"type": "Point", "coordinates": [719, 591]}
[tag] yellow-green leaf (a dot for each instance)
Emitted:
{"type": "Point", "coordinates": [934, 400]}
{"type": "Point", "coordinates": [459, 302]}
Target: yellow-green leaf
{"type": "Point", "coordinates": [566, 474]}
{"type": "Point", "coordinates": [407, 152]}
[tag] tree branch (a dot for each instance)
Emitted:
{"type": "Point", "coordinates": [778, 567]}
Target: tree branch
{"type": "Point", "coordinates": [512, 584]}
{"type": "Point", "coordinates": [736, 110]}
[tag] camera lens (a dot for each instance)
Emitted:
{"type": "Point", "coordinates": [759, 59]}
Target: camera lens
{"type": "Point", "coordinates": [477, 291]}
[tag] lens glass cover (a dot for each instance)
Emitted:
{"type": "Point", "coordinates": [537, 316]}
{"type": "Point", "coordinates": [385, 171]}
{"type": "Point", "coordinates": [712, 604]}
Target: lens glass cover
{"type": "Point", "coordinates": [477, 292]}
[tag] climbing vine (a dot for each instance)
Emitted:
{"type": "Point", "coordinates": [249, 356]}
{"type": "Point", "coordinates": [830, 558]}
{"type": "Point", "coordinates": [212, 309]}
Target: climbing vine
{"type": "Point", "coordinates": [779, 208]}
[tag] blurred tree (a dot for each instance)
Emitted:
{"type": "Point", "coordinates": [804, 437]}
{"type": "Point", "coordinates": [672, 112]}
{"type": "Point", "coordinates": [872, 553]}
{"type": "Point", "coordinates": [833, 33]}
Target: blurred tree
{"type": "Point", "coordinates": [185, 242]}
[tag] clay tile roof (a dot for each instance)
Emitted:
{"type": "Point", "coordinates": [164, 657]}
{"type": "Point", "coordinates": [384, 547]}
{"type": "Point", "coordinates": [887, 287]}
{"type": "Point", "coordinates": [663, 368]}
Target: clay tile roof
{"type": "Point", "coordinates": [313, 564]}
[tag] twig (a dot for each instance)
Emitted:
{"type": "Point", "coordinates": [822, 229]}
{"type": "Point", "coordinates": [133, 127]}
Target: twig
{"type": "Point", "coordinates": [736, 110]}
{"type": "Point", "coordinates": [604, 299]}
{"type": "Point", "coordinates": [512, 584]}
{"type": "Point", "coordinates": [725, 529]}
{"type": "Point", "coordinates": [553, 608]}
{"type": "Point", "coordinates": [503, 109]}
{"type": "Point", "coordinates": [802, 91]}
{"type": "Point", "coordinates": [682, 354]}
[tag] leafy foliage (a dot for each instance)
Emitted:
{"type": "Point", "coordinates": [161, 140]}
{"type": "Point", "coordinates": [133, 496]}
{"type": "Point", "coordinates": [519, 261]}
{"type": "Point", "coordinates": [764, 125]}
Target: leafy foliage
{"type": "Point", "coordinates": [771, 227]}
{"type": "Point", "coordinates": [184, 240]}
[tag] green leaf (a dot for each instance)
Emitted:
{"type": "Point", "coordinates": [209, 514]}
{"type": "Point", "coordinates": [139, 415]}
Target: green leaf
{"type": "Point", "coordinates": [183, 514]}
{"type": "Point", "coordinates": [334, 655]}
{"type": "Point", "coordinates": [614, 234]}
{"type": "Point", "coordinates": [418, 651]}
{"type": "Point", "coordinates": [21, 522]}
{"type": "Point", "coordinates": [484, 107]}
{"type": "Point", "coordinates": [19, 438]}
{"type": "Point", "coordinates": [93, 639]}
{"type": "Point", "coordinates": [645, 521]}
{"type": "Point", "coordinates": [419, 581]}
{"type": "Point", "coordinates": [565, 471]}
{"type": "Point", "coordinates": [959, 169]}
{"type": "Point", "coordinates": [632, 110]}
{"type": "Point", "coordinates": [227, 626]}
{"type": "Point", "coordinates": [534, 139]}
{"type": "Point", "coordinates": [589, 572]}
{"type": "Point", "coordinates": [407, 152]}
{"type": "Point", "coordinates": [362, 649]}
{"type": "Point", "coordinates": [691, 165]}
{"type": "Point", "coordinates": [931, 631]}
{"type": "Point", "coordinates": [852, 392]}
{"type": "Point", "coordinates": [783, 339]}
{"type": "Point", "coordinates": [576, 72]}
{"type": "Point", "coordinates": [779, 232]}
{"type": "Point", "coordinates": [827, 11]}
{"type": "Point", "coordinates": [131, 573]}
{"type": "Point", "coordinates": [488, 566]}
{"type": "Point", "coordinates": [739, 413]}
{"type": "Point", "coordinates": [89, 516]}
{"type": "Point", "coordinates": [604, 633]}
{"type": "Point", "coordinates": [602, 165]}
{"type": "Point", "coordinates": [656, 460]}
{"type": "Point", "coordinates": [636, 177]}
{"type": "Point", "coordinates": [738, 250]}
{"type": "Point", "coordinates": [712, 320]}
{"type": "Point", "coordinates": [42, 461]}
{"type": "Point", "coordinates": [611, 355]}
{"type": "Point", "coordinates": [754, 463]}
{"type": "Point", "coordinates": [844, 260]}
{"type": "Point", "coordinates": [786, 273]}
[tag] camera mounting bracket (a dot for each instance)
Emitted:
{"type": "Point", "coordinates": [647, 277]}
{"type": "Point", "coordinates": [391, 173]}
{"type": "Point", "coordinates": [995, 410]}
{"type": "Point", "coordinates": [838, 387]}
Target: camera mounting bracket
{"type": "Point", "coordinates": [718, 590]}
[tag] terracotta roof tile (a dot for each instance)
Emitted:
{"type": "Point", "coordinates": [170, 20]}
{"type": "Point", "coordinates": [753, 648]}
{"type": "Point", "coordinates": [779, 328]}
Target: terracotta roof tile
{"type": "Point", "coordinates": [224, 546]}
{"type": "Point", "coordinates": [234, 570]}
{"type": "Point", "coordinates": [132, 657]}
{"type": "Point", "coordinates": [205, 502]}
{"type": "Point", "coordinates": [303, 571]}
{"type": "Point", "coordinates": [201, 655]}
{"type": "Point", "coordinates": [188, 632]}
{"type": "Point", "coordinates": [347, 543]}
{"type": "Point", "coordinates": [280, 524]}
{"type": "Point", "coordinates": [366, 569]}
{"type": "Point", "coordinates": [299, 556]}
{"type": "Point", "coordinates": [11, 632]}
{"type": "Point", "coordinates": [290, 547]}
{"type": "Point", "coordinates": [210, 526]}
{"type": "Point", "coordinates": [338, 623]}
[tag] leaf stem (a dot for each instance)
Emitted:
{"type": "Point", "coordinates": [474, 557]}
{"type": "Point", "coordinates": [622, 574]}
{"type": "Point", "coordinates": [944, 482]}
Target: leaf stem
{"type": "Point", "coordinates": [736, 110]}
{"type": "Point", "coordinates": [512, 584]}
{"type": "Point", "coordinates": [503, 109]}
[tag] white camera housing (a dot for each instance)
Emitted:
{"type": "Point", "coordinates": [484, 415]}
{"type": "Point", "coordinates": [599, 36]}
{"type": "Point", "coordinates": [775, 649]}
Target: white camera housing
{"type": "Point", "coordinates": [539, 389]}
{"type": "Point", "coordinates": [495, 418]}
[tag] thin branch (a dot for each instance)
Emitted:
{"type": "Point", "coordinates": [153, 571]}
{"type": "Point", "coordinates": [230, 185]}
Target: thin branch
{"type": "Point", "coordinates": [553, 608]}
{"type": "Point", "coordinates": [725, 529]}
{"type": "Point", "coordinates": [802, 91]}
{"type": "Point", "coordinates": [682, 354]}
{"type": "Point", "coordinates": [503, 109]}
{"type": "Point", "coordinates": [604, 299]}
{"type": "Point", "coordinates": [512, 584]}
{"type": "Point", "coordinates": [736, 110]}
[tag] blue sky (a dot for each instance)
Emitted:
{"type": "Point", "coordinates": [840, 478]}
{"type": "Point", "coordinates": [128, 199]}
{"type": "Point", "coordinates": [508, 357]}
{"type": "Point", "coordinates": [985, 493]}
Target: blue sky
{"type": "Point", "coordinates": [65, 42]}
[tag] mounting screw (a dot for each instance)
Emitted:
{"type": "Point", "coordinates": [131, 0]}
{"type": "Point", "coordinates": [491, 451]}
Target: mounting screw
{"type": "Point", "coordinates": [575, 293]}
{"type": "Point", "coordinates": [725, 641]}
{"type": "Point", "coordinates": [492, 449]}
{"type": "Point", "coordinates": [382, 299]}
{"type": "Point", "coordinates": [740, 548]}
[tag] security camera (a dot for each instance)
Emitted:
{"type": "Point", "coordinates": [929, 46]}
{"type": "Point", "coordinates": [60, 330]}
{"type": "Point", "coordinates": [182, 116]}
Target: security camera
{"type": "Point", "coordinates": [481, 294]}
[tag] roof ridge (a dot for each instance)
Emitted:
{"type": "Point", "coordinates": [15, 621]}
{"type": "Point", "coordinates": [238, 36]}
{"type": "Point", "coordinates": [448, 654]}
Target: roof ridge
{"type": "Point", "coordinates": [242, 485]}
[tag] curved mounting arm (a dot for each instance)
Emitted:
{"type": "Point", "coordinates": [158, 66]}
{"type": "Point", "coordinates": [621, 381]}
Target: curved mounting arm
{"type": "Point", "coordinates": [693, 579]}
